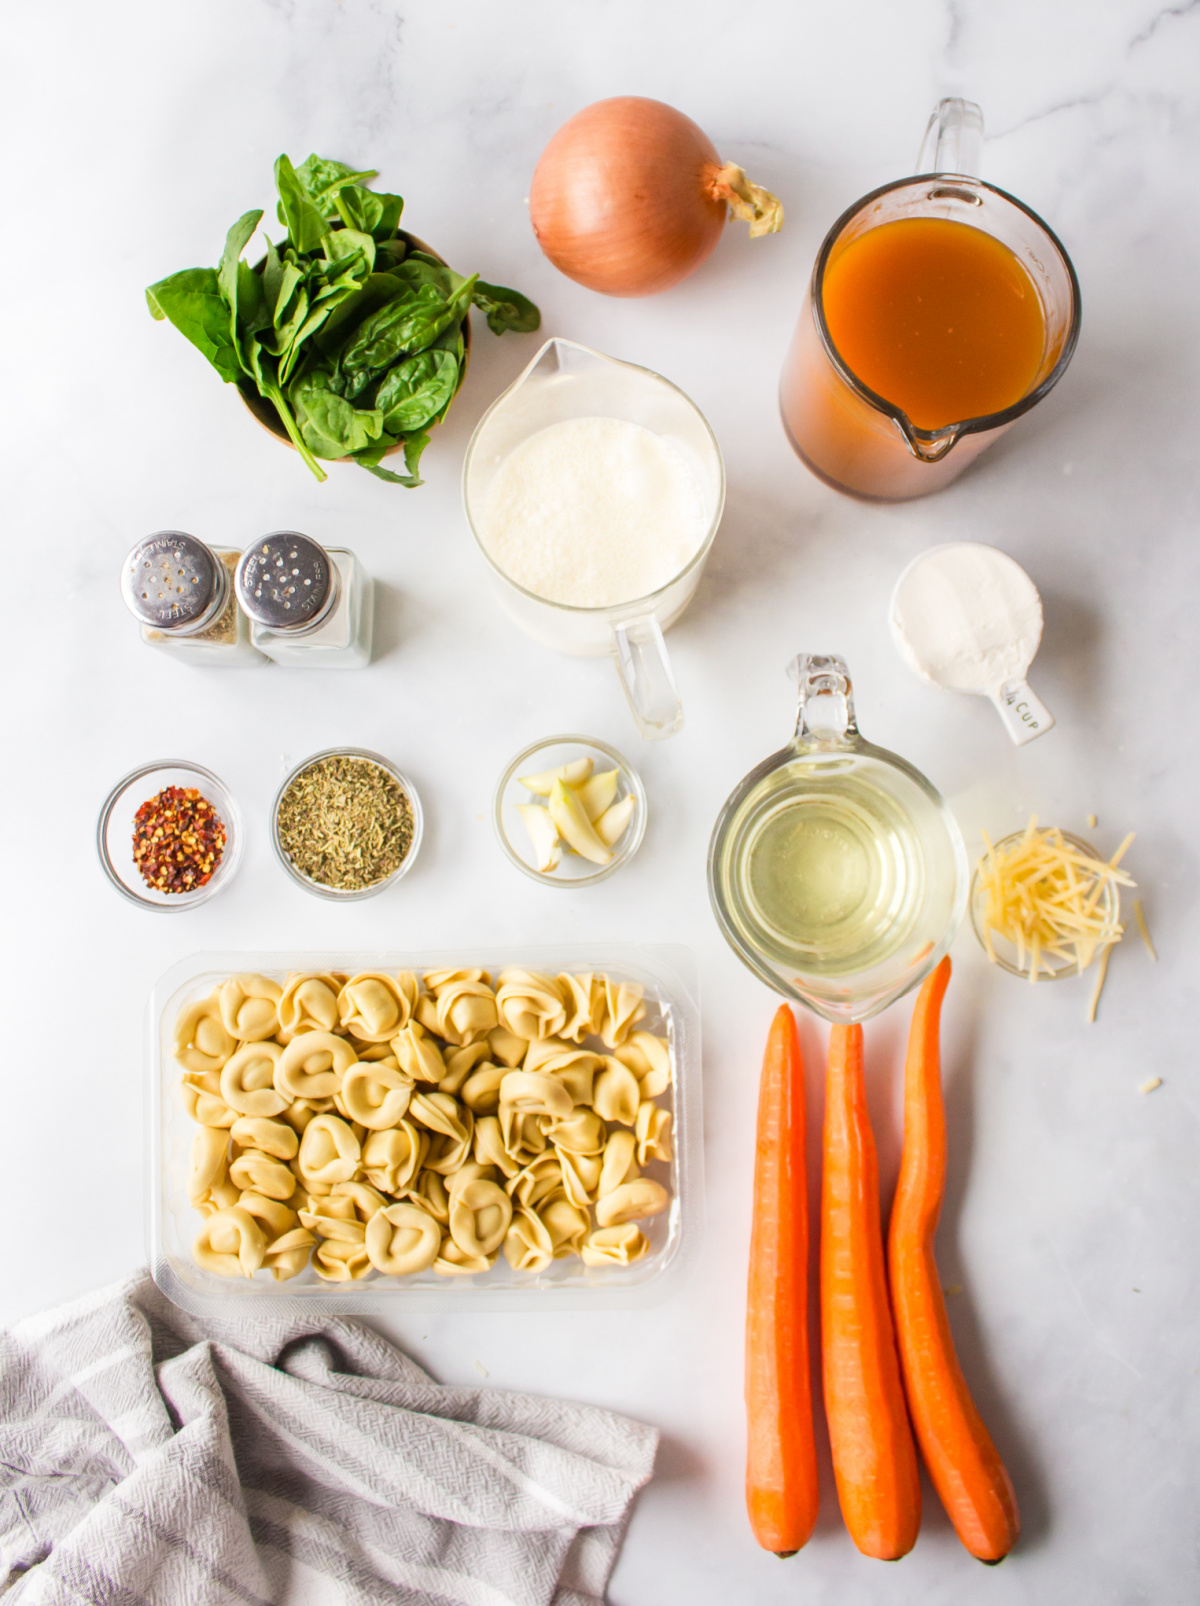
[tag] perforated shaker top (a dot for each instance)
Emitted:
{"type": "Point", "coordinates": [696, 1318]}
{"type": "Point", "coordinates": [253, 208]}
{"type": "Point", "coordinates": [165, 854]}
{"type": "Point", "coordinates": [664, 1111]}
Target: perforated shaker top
{"type": "Point", "coordinates": [284, 580]}
{"type": "Point", "coordinates": [171, 580]}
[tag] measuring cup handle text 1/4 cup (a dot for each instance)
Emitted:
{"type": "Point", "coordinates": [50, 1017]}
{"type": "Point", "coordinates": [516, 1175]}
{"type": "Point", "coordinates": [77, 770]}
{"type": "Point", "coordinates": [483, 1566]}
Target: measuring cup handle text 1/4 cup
{"type": "Point", "coordinates": [1024, 714]}
{"type": "Point", "coordinates": [846, 433]}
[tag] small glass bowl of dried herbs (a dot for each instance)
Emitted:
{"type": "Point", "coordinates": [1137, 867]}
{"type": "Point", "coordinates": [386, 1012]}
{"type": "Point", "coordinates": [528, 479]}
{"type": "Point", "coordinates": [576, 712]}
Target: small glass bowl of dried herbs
{"type": "Point", "coordinates": [169, 835]}
{"type": "Point", "coordinates": [346, 824]}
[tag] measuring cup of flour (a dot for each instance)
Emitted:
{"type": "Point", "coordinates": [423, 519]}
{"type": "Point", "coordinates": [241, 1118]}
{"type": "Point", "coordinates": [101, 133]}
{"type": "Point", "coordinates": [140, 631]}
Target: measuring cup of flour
{"type": "Point", "coordinates": [968, 618]}
{"type": "Point", "coordinates": [594, 489]}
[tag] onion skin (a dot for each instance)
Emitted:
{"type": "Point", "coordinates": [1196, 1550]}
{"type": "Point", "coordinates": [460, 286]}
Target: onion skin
{"type": "Point", "coordinates": [623, 199]}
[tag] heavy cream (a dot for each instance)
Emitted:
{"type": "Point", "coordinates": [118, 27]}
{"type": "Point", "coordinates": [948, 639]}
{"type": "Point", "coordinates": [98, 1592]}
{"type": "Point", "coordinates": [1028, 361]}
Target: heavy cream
{"type": "Point", "coordinates": [593, 512]}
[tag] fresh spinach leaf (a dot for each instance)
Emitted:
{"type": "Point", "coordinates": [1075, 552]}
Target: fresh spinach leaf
{"type": "Point", "coordinates": [406, 325]}
{"type": "Point", "coordinates": [354, 338]}
{"type": "Point", "coordinates": [415, 390]}
{"type": "Point", "coordinates": [376, 213]}
{"type": "Point", "coordinates": [321, 180]}
{"type": "Point", "coordinates": [251, 353]}
{"type": "Point", "coordinates": [295, 351]}
{"type": "Point", "coordinates": [250, 311]}
{"type": "Point", "coordinates": [418, 269]}
{"type": "Point", "coordinates": [291, 281]}
{"type": "Point", "coordinates": [330, 425]}
{"type": "Point", "coordinates": [506, 309]}
{"type": "Point", "coordinates": [279, 340]}
{"type": "Point", "coordinates": [305, 225]}
{"type": "Point", "coordinates": [235, 244]}
{"type": "Point", "coordinates": [350, 246]}
{"type": "Point", "coordinates": [287, 417]}
{"type": "Point", "coordinates": [413, 447]}
{"type": "Point", "coordinates": [381, 473]}
{"type": "Point", "coordinates": [388, 334]}
{"type": "Point", "coordinates": [390, 253]}
{"type": "Point", "coordinates": [193, 302]}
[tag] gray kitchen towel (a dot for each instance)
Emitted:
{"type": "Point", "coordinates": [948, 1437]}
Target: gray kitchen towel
{"type": "Point", "coordinates": [147, 1456]}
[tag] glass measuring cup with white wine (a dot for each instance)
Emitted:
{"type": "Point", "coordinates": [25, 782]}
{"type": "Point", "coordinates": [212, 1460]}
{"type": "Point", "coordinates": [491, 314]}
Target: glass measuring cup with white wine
{"type": "Point", "coordinates": [836, 871]}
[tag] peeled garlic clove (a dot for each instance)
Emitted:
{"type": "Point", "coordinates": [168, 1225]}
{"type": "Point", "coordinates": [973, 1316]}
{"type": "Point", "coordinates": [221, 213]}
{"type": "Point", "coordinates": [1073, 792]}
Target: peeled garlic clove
{"type": "Point", "coordinates": [610, 827]}
{"type": "Point", "coordinates": [597, 793]}
{"type": "Point", "coordinates": [543, 834]}
{"type": "Point", "coordinates": [574, 774]}
{"type": "Point", "coordinates": [576, 829]}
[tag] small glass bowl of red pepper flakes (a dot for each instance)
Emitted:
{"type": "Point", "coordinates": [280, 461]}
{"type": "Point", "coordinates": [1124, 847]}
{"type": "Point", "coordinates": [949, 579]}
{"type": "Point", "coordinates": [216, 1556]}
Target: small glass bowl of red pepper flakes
{"type": "Point", "coordinates": [169, 835]}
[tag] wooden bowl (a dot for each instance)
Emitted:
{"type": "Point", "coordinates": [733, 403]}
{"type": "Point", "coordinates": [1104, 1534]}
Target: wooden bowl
{"type": "Point", "coordinates": [263, 411]}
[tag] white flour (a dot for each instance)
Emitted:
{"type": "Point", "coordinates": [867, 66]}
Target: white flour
{"type": "Point", "coordinates": [967, 617]}
{"type": "Point", "coordinates": [593, 512]}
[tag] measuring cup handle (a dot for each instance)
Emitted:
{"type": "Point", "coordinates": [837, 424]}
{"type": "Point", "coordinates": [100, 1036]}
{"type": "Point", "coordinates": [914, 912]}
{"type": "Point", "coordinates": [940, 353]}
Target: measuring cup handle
{"type": "Point", "coordinates": [645, 671]}
{"type": "Point", "coordinates": [825, 711]}
{"type": "Point", "coordinates": [953, 140]}
{"type": "Point", "coordinates": [1024, 714]}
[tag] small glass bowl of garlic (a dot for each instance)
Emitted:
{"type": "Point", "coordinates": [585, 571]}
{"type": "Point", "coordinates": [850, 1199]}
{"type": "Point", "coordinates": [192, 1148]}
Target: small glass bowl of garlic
{"type": "Point", "coordinates": [570, 810]}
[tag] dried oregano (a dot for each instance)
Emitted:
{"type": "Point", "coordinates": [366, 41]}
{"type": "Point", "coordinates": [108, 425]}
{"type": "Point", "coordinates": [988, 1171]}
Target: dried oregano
{"type": "Point", "coordinates": [345, 822]}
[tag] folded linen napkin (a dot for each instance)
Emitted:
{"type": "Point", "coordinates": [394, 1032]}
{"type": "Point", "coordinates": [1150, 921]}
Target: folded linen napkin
{"type": "Point", "coordinates": [150, 1457]}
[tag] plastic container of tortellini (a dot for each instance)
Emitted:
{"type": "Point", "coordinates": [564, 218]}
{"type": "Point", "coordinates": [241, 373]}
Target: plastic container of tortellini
{"type": "Point", "coordinates": [669, 978]}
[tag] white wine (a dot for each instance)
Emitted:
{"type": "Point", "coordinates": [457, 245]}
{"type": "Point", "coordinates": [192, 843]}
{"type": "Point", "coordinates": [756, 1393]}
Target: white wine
{"type": "Point", "coordinates": [836, 871]}
{"type": "Point", "coordinates": [823, 870]}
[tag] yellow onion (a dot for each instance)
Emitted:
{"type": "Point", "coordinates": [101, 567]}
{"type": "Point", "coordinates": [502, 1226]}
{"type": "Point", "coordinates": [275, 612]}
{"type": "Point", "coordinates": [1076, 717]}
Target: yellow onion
{"type": "Point", "coordinates": [629, 197]}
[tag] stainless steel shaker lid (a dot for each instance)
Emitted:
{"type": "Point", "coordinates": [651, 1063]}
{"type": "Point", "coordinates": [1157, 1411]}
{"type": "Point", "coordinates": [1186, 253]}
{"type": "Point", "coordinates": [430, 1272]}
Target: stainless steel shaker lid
{"type": "Point", "coordinates": [285, 580]}
{"type": "Point", "coordinates": [171, 581]}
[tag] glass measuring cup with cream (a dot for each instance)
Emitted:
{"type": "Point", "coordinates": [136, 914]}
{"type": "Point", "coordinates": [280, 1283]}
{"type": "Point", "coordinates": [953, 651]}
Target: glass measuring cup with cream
{"type": "Point", "coordinates": [967, 617]}
{"type": "Point", "coordinates": [594, 489]}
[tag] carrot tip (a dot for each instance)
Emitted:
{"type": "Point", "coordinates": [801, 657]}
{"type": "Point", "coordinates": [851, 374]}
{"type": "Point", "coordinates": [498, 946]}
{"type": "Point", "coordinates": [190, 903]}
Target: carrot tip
{"type": "Point", "coordinates": [784, 1554]}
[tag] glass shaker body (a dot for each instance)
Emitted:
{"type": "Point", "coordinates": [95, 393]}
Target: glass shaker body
{"type": "Point", "coordinates": [181, 591]}
{"type": "Point", "coordinates": [310, 607]}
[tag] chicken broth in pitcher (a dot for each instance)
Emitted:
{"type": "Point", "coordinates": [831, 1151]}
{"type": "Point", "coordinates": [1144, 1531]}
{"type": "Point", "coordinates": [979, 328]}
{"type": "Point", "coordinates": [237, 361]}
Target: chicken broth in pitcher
{"type": "Point", "coordinates": [937, 317]}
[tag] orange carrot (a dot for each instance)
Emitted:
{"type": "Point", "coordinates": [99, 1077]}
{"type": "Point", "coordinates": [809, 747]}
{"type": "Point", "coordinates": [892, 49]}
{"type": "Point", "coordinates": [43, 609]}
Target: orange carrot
{"type": "Point", "coordinates": [781, 1460]}
{"type": "Point", "coordinates": [963, 1463]}
{"type": "Point", "coordinates": [874, 1461]}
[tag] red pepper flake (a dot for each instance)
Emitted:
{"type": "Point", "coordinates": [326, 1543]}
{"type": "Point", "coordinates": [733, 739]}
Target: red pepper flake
{"type": "Point", "coordinates": [178, 840]}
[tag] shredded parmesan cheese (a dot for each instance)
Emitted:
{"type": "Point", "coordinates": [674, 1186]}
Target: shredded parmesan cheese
{"type": "Point", "coordinates": [1055, 903]}
{"type": "Point", "coordinates": [1101, 974]}
{"type": "Point", "coordinates": [1150, 1084]}
{"type": "Point", "coordinates": [1144, 929]}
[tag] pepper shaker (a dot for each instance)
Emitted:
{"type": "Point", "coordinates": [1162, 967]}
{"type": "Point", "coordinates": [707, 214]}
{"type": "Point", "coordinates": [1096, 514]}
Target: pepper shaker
{"type": "Point", "coordinates": [182, 594]}
{"type": "Point", "coordinates": [309, 607]}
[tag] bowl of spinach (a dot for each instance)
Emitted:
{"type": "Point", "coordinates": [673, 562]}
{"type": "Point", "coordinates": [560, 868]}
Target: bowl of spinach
{"type": "Point", "coordinates": [350, 338]}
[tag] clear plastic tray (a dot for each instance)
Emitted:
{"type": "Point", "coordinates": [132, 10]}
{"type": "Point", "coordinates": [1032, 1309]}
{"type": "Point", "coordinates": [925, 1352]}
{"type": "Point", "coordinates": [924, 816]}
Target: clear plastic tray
{"type": "Point", "coordinates": [668, 975]}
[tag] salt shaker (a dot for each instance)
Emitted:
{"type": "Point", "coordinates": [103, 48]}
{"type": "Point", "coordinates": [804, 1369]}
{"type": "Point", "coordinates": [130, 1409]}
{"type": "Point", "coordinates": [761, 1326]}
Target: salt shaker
{"type": "Point", "coordinates": [309, 607]}
{"type": "Point", "coordinates": [182, 594]}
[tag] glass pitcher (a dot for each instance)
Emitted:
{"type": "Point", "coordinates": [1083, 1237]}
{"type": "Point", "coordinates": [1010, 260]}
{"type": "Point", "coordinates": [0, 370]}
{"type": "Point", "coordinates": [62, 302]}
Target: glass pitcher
{"type": "Point", "coordinates": [566, 381]}
{"type": "Point", "coordinates": [856, 440]}
{"type": "Point", "coordinates": [836, 871]}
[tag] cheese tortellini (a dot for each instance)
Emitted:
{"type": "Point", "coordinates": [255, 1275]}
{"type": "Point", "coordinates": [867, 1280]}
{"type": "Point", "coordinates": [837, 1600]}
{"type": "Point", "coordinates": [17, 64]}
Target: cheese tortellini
{"type": "Point", "coordinates": [392, 1124]}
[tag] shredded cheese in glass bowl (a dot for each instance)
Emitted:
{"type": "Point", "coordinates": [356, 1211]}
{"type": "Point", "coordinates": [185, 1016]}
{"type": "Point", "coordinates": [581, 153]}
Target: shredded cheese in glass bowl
{"type": "Point", "coordinates": [1045, 905]}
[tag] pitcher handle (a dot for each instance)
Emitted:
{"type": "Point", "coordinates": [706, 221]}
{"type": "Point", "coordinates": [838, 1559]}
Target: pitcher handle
{"type": "Point", "coordinates": [825, 713]}
{"type": "Point", "coordinates": [645, 671]}
{"type": "Point", "coordinates": [953, 140]}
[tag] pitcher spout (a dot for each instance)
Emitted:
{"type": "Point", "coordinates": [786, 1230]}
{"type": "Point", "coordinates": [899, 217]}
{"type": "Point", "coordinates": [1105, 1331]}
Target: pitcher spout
{"type": "Point", "coordinates": [928, 445]}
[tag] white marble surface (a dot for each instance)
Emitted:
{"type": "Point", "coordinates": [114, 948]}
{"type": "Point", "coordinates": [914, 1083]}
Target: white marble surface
{"type": "Point", "coordinates": [135, 133]}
